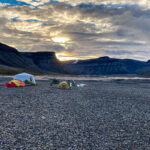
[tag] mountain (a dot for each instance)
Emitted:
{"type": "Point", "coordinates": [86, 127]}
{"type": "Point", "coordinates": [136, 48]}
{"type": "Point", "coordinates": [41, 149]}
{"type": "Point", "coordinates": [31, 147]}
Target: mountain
{"type": "Point", "coordinates": [108, 66]}
{"type": "Point", "coordinates": [46, 61]}
{"type": "Point", "coordinates": [13, 61]}
{"type": "Point", "coordinates": [11, 58]}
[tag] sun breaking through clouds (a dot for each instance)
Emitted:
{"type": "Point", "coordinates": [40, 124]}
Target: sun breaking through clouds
{"type": "Point", "coordinates": [60, 39]}
{"type": "Point", "coordinates": [80, 29]}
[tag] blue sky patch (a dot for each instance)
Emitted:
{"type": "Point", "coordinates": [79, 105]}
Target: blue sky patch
{"type": "Point", "coordinates": [14, 2]}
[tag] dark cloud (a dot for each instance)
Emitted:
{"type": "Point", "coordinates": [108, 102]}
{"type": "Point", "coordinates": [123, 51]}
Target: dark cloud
{"type": "Point", "coordinates": [92, 29]}
{"type": "Point", "coordinates": [119, 52]}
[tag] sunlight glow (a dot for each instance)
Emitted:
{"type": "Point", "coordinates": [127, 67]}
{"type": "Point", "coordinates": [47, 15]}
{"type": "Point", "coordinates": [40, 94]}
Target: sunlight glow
{"type": "Point", "coordinates": [60, 39]}
{"type": "Point", "coordinates": [65, 57]}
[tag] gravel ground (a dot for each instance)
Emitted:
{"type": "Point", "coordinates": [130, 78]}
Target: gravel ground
{"type": "Point", "coordinates": [104, 115]}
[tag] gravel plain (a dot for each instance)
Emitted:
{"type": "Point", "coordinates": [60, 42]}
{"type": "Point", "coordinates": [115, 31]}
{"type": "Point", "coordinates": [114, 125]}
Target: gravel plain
{"type": "Point", "coordinates": [104, 115]}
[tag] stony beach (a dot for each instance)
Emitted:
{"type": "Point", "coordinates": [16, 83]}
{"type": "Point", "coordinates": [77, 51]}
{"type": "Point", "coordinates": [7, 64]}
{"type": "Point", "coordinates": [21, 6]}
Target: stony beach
{"type": "Point", "coordinates": [104, 115]}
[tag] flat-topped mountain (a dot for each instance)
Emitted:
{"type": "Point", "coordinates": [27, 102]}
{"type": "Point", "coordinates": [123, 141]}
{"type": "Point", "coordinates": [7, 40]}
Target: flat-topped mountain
{"type": "Point", "coordinates": [13, 61]}
{"type": "Point", "coordinates": [35, 62]}
{"type": "Point", "coordinates": [108, 66]}
{"type": "Point", "coordinates": [46, 61]}
{"type": "Point", "coordinates": [10, 57]}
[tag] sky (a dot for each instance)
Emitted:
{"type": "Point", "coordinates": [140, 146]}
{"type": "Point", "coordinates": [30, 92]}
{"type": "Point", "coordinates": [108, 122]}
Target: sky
{"type": "Point", "coordinates": [78, 29]}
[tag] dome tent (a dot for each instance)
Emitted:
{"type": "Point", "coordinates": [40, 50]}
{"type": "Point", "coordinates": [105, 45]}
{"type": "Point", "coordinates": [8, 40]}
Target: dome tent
{"type": "Point", "coordinates": [25, 77]}
{"type": "Point", "coordinates": [14, 83]}
{"type": "Point", "coordinates": [64, 85]}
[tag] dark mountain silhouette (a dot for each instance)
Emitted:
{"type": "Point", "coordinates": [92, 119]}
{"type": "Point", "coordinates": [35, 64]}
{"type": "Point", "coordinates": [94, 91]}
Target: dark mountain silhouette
{"type": "Point", "coordinates": [38, 62]}
{"type": "Point", "coordinates": [11, 58]}
{"type": "Point", "coordinates": [13, 61]}
{"type": "Point", "coordinates": [108, 66]}
{"type": "Point", "coordinates": [46, 61]}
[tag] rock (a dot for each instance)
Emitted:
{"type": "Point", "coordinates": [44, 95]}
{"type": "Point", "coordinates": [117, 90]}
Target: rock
{"type": "Point", "coordinates": [108, 66]}
{"type": "Point", "coordinates": [37, 62]}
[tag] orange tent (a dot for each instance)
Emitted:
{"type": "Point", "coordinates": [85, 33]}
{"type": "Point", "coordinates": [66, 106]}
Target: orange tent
{"type": "Point", "coordinates": [14, 83]}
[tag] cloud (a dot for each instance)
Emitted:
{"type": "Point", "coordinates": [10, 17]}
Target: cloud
{"type": "Point", "coordinates": [35, 2]}
{"type": "Point", "coordinates": [119, 52]}
{"type": "Point", "coordinates": [4, 5]}
{"type": "Point", "coordinates": [143, 3]}
{"type": "Point", "coordinates": [92, 30]}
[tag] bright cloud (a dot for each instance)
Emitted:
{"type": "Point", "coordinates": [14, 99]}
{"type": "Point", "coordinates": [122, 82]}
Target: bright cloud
{"type": "Point", "coordinates": [82, 30]}
{"type": "Point", "coordinates": [35, 2]}
{"type": "Point", "coordinates": [144, 3]}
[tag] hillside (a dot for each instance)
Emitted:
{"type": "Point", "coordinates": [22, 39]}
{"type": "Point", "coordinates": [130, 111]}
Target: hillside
{"type": "Point", "coordinates": [5, 70]}
{"type": "Point", "coordinates": [13, 61]}
{"type": "Point", "coordinates": [46, 61]}
{"type": "Point", "coordinates": [108, 66]}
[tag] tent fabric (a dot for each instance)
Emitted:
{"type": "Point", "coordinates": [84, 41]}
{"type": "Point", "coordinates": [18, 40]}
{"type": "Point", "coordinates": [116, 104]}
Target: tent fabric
{"type": "Point", "coordinates": [28, 82]}
{"type": "Point", "coordinates": [64, 85]}
{"type": "Point", "coordinates": [72, 83]}
{"type": "Point", "coordinates": [14, 83]}
{"type": "Point", "coordinates": [25, 76]}
{"type": "Point", "coordinates": [55, 81]}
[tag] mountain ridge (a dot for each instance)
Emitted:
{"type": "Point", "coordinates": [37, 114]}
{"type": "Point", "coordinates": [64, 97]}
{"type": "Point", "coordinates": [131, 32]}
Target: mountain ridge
{"type": "Point", "coordinates": [13, 61]}
{"type": "Point", "coordinates": [108, 66]}
{"type": "Point", "coordinates": [12, 58]}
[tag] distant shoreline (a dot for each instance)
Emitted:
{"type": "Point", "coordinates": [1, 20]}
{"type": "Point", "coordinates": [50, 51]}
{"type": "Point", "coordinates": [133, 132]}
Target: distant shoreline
{"type": "Point", "coordinates": [86, 78]}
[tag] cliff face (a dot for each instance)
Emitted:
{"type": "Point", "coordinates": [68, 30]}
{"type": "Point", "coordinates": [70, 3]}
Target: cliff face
{"type": "Point", "coordinates": [46, 61]}
{"type": "Point", "coordinates": [108, 66]}
{"type": "Point", "coordinates": [38, 62]}
{"type": "Point", "coordinates": [12, 61]}
{"type": "Point", "coordinates": [11, 57]}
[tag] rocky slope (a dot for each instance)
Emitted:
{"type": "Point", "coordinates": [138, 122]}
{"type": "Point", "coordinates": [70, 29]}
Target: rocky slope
{"type": "Point", "coordinates": [46, 61]}
{"type": "Point", "coordinates": [12, 58]}
{"type": "Point", "coordinates": [12, 61]}
{"type": "Point", "coordinates": [38, 62]}
{"type": "Point", "coordinates": [108, 66]}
